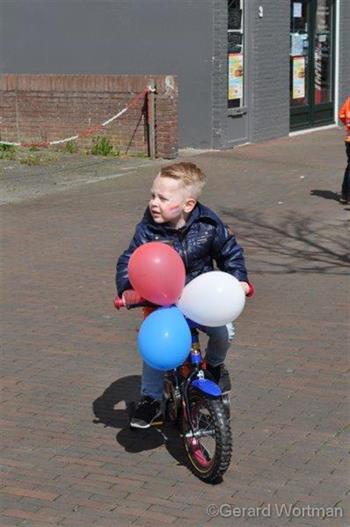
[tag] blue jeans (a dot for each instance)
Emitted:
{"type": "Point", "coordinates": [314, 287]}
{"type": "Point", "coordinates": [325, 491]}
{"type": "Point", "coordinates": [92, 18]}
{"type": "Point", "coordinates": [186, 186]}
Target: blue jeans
{"type": "Point", "coordinates": [218, 345]}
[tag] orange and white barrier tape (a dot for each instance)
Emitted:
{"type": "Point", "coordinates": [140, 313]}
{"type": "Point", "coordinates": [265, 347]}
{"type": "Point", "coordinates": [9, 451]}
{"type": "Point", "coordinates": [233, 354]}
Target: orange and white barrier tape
{"type": "Point", "coordinates": [87, 131]}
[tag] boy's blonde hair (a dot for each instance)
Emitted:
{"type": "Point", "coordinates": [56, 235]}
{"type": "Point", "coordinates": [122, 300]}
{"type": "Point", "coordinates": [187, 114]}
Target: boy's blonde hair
{"type": "Point", "coordinates": [189, 174]}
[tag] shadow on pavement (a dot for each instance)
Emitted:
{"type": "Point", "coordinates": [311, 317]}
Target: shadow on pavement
{"type": "Point", "coordinates": [326, 194]}
{"type": "Point", "coordinates": [124, 392]}
{"type": "Point", "coordinates": [293, 243]}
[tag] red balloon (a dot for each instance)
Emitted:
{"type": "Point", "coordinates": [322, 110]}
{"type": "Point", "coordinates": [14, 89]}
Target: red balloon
{"type": "Point", "coordinates": [157, 272]}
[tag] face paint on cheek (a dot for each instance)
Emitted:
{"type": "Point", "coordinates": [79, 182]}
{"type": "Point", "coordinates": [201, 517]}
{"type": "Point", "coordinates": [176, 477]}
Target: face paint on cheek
{"type": "Point", "coordinates": [174, 208]}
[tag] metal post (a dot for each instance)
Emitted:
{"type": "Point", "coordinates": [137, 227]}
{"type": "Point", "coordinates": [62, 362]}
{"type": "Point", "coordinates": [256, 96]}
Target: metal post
{"type": "Point", "coordinates": [151, 112]}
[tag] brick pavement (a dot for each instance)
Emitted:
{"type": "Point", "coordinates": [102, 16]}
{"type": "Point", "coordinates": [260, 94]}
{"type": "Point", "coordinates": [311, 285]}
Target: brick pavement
{"type": "Point", "coordinates": [70, 370]}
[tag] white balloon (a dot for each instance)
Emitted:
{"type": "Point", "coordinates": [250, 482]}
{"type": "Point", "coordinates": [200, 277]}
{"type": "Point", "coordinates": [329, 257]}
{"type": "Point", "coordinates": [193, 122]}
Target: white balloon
{"type": "Point", "coordinates": [212, 299]}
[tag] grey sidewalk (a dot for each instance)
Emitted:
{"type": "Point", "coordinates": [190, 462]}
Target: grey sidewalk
{"type": "Point", "coordinates": [70, 368]}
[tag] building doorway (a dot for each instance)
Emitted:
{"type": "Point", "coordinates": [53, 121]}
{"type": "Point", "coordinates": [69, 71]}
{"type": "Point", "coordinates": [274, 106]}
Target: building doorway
{"type": "Point", "coordinates": [312, 50]}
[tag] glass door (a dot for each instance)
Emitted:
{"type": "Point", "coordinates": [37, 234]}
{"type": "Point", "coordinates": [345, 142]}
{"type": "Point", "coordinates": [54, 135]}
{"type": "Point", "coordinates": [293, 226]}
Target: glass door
{"type": "Point", "coordinates": [311, 63]}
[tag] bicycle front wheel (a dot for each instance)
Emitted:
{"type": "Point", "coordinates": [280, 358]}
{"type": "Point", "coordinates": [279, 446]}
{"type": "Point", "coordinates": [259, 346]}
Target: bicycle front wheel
{"type": "Point", "coordinates": [209, 443]}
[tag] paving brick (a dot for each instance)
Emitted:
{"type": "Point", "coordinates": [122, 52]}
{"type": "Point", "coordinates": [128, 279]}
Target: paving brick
{"type": "Point", "coordinates": [36, 494]}
{"type": "Point", "coordinates": [40, 516]}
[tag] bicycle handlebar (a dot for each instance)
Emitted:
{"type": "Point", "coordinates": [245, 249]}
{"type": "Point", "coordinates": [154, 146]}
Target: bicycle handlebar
{"type": "Point", "coordinates": [251, 290]}
{"type": "Point", "coordinates": [119, 302]}
{"type": "Point", "coordinates": [131, 299]}
{"type": "Point", "coordinates": [135, 300]}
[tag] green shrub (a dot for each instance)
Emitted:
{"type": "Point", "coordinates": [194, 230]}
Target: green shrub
{"type": "Point", "coordinates": [102, 147]}
{"type": "Point", "coordinates": [38, 159]}
{"type": "Point", "coordinates": [7, 151]}
{"type": "Point", "coordinates": [31, 160]}
{"type": "Point", "coordinates": [6, 148]}
{"type": "Point", "coordinates": [71, 147]}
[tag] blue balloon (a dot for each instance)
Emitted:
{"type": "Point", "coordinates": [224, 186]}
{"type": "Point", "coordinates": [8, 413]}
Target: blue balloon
{"type": "Point", "coordinates": [164, 339]}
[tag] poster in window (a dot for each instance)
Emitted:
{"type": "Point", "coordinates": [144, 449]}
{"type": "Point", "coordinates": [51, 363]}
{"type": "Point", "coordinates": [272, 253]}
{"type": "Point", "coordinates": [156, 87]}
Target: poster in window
{"type": "Point", "coordinates": [297, 9]}
{"type": "Point", "coordinates": [235, 76]}
{"type": "Point", "coordinates": [298, 77]}
{"type": "Point", "coordinates": [297, 44]}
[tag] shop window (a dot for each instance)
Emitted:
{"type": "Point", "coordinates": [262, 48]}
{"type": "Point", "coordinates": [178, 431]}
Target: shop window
{"type": "Point", "coordinates": [235, 53]}
{"type": "Point", "coordinates": [323, 52]}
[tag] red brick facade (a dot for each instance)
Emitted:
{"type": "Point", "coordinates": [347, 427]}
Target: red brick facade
{"type": "Point", "coordinates": [37, 108]}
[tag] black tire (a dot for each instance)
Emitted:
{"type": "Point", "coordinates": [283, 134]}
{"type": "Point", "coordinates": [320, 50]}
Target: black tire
{"type": "Point", "coordinates": [227, 405]}
{"type": "Point", "coordinates": [208, 415]}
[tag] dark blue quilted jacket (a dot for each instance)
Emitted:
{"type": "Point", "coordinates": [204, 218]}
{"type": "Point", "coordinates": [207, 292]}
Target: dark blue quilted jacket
{"type": "Point", "coordinates": [201, 242]}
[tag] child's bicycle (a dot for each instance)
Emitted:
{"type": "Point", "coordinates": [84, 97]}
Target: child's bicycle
{"type": "Point", "coordinates": [195, 403]}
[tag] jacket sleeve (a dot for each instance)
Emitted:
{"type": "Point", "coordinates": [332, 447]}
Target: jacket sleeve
{"type": "Point", "coordinates": [228, 254]}
{"type": "Point", "coordinates": [122, 280]}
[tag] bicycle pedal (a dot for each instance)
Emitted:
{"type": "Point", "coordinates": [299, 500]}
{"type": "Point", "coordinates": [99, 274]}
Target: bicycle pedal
{"type": "Point", "coordinates": [157, 422]}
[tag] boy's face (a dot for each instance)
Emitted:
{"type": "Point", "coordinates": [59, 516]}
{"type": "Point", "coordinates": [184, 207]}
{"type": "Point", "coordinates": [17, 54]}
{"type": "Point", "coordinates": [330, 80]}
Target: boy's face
{"type": "Point", "coordinates": [170, 201]}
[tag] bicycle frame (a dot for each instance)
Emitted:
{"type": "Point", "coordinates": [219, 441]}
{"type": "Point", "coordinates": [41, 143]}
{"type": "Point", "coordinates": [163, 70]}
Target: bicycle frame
{"type": "Point", "coordinates": [196, 377]}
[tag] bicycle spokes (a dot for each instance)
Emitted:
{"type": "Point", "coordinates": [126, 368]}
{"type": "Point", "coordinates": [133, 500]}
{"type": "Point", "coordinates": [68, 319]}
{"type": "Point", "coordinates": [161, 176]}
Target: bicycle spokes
{"type": "Point", "coordinates": [207, 437]}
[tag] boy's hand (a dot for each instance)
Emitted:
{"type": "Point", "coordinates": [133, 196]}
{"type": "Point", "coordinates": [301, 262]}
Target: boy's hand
{"type": "Point", "coordinates": [248, 288]}
{"type": "Point", "coordinates": [131, 297]}
{"type": "Point", "coordinates": [245, 286]}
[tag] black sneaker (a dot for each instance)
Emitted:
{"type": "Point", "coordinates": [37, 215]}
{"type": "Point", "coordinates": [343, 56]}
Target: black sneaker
{"type": "Point", "coordinates": [146, 413]}
{"type": "Point", "coordinates": [221, 376]}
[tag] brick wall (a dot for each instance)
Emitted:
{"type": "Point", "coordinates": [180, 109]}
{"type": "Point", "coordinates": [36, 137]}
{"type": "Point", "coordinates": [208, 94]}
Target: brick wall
{"type": "Point", "coordinates": [266, 74]}
{"type": "Point", "coordinates": [219, 75]}
{"type": "Point", "coordinates": [37, 108]}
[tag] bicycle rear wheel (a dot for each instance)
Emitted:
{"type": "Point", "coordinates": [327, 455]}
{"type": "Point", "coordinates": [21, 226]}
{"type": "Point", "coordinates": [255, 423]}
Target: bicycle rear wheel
{"type": "Point", "coordinates": [209, 446]}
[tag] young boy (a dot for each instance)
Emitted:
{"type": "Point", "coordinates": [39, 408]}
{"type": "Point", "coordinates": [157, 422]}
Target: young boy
{"type": "Point", "coordinates": [175, 216]}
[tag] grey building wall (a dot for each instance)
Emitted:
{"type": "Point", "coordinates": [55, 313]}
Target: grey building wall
{"type": "Point", "coordinates": [269, 70]}
{"type": "Point", "coordinates": [219, 75]}
{"type": "Point", "coordinates": [118, 37]}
